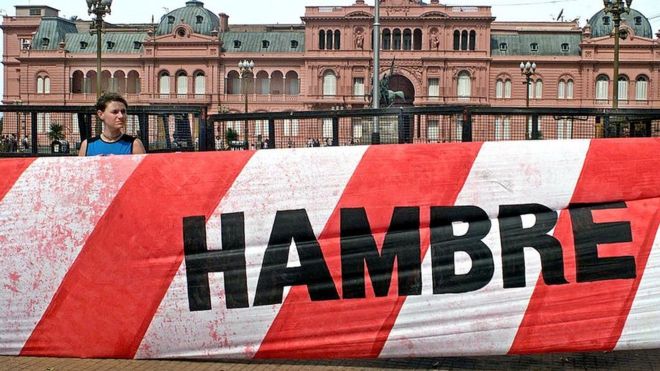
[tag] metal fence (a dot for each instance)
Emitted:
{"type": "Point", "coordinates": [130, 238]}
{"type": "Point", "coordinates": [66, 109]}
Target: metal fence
{"type": "Point", "coordinates": [59, 130]}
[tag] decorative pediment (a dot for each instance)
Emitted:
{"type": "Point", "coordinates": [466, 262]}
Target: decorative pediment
{"type": "Point", "coordinates": [434, 14]}
{"type": "Point", "coordinates": [358, 14]}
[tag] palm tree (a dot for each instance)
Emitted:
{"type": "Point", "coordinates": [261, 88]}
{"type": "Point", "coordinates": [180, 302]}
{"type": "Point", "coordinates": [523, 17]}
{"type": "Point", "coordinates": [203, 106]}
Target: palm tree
{"type": "Point", "coordinates": [56, 132]}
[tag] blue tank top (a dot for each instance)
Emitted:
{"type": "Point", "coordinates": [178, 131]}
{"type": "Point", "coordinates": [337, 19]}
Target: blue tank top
{"type": "Point", "coordinates": [98, 147]}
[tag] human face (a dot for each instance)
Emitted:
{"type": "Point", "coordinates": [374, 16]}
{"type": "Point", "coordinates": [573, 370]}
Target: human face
{"type": "Point", "coordinates": [114, 116]}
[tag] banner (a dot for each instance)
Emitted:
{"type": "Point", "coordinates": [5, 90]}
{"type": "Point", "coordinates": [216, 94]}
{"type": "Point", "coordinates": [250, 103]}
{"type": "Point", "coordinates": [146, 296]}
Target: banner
{"type": "Point", "coordinates": [337, 252]}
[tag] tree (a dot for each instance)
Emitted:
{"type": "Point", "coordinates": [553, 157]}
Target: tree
{"type": "Point", "coordinates": [2, 119]}
{"type": "Point", "coordinates": [56, 132]}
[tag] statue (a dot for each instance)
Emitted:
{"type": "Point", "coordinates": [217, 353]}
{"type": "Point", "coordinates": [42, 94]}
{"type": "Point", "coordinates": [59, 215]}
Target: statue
{"type": "Point", "coordinates": [388, 96]}
{"type": "Point", "coordinates": [359, 40]}
{"type": "Point", "coordinates": [435, 41]}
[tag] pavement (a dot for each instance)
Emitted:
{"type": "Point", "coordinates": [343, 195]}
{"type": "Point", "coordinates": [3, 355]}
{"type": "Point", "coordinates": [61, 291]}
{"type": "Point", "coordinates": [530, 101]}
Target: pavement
{"type": "Point", "coordinates": [646, 360]}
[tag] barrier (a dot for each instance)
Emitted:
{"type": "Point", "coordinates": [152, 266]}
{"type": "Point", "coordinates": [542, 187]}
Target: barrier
{"type": "Point", "coordinates": [349, 252]}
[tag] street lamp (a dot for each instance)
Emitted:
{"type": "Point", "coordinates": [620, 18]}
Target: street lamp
{"type": "Point", "coordinates": [616, 8]}
{"type": "Point", "coordinates": [245, 67]}
{"type": "Point", "coordinates": [99, 8]}
{"type": "Point", "coordinates": [528, 69]}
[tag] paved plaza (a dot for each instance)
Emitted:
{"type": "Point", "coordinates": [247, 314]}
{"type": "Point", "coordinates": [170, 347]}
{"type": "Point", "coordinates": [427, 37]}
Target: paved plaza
{"type": "Point", "coordinates": [628, 360]}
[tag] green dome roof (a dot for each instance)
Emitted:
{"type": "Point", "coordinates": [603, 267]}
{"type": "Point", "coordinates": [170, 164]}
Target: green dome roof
{"type": "Point", "coordinates": [602, 24]}
{"type": "Point", "coordinates": [202, 20]}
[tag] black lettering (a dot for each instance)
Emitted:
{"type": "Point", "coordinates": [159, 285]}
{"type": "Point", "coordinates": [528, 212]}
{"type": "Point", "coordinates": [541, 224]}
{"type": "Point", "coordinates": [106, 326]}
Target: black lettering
{"type": "Point", "coordinates": [515, 238]}
{"type": "Point", "coordinates": [313, 272]}
{"type": "Point", "coordinates": [444, 245]}
{"type": "Point", "coordinates": [587, 235]}
{"type": "Point", "coordinates": [230, 260]}
{"type": "Point", "coordinates": [402, 242]}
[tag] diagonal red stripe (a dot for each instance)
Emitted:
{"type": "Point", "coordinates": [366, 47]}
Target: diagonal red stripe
{"type": "Point", "coordinates": [106, 302]}
{"type": "Point", "coordinates": [387, 177]}
{"type": "Point", "coordinates": [11, 170]}
{"type": "Point", "coordinates": [591, 316]}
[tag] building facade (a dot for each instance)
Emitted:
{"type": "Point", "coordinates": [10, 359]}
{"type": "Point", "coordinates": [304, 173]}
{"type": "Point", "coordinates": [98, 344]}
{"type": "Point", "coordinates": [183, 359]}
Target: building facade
{"type": "Point", "coordinates": [435, 54]}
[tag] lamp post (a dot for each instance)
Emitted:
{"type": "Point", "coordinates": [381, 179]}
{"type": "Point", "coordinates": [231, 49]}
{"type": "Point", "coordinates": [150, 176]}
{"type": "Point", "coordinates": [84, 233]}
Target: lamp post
{"type": "Point", "coordinates": [375, 102]}
{"type": "Point", "coordinates": [99, 8]}
{"type": "Point", "coordinates": [527, 69]}
{"type": "Point", "coordinates": [245, 67]}
{"type": "Point", "coordinates": [616, 8]}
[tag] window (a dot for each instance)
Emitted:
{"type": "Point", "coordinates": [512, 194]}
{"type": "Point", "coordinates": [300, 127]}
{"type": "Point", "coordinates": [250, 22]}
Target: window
{"type": "Point", "coordinates": [387, 39]}
{"type": "Point", "coordinates": [569, 89]}
{"type": "Point", "coordinates": [432, 132]}
{"type": "Point", "coordinates": [292, 83]}
{"type": "Point", "coordinates": [200, 84]}
{"type": "Point", "coordinates": [638, 21]}
{"type": "Point", "coordinates": [328, 40]}
{"type": "Point", "coordinates": [111, 45]}
{"type": "Point", "coordinates": [564, 129]}
{"type": "Point", "coordinates": [507, 88]}
{"type": "Point", "coordinates": [407, 39]}
{"type": "Point", "coordinates": [233, 83]}
{"type": "Point", "coordinates": [565, 48]}
{"type": "Point", "coordinates": [170, 19]}
{"type": "Point", "coordinates": [561, 89]}
{"type": "Point", "coordinates": [321, 39]}
{"type": "Point", "coordinates": [502, 128]}
{"type": "Point", "coordinates": [473, 40]}
{"type": "Point", "coordinates": [623, 88]}
{"type": "Point", "coordinates": [503, 47]}
{"type": "Point", "coordinates": [457, 40]}
{"type": "Point", "coordinates": [358, 86]}
{"type": "Point", "coordinates": [137, 45]}
{"type": "Point", "coordinates": [499, 89]}
{"type": "Point", "coordinates": [182, 84]}
{"type": "Point", "coordinates": [327, 128]}
{"type": "Point", "coordinates": [329, 84]}
{"type": "Point", "coordinates": [606, 21]}
{"type": "Point", "coordinates": [464, 85]}
{"type": "Point", "coordinates": [602, 87]}
{"type": "Point", "coordinates": [43, 85]}
{"type": "Point", "coordinates": [200, 19]}
{"type": "Point", "coordinates": [434, 88]}
{"type": "Point", "coordinates": [164, 85]}
{"type": "Point", "coordinates": [26, 44]}
{"type": "Point", "coordinates": [45, 41]}
{"type": "Point", "coordinates": [337, 40]}
{"type": "Point", "coordinates": [265, 44]}
{"type": "Point", "coordinates": [237, 44]}
{"type": "Point", "coordinates": [534, 47]}
{"type": "Point", "coordinates": [290, 127]}
{"type": "Point", "coordinates": [641, 88]}
{"type": "Point", "coordinates": [35, 11]}
{"type": "Point", "coordinates": [83, 45]}
{"type": "Point", "coordinates": [294, 44]}
{"type": "Point", "coordinates": [396, 39]}
{"type": "Point", "coordinates": [464, 40]}
{"type": "Point", "coordinates": [538, 89]}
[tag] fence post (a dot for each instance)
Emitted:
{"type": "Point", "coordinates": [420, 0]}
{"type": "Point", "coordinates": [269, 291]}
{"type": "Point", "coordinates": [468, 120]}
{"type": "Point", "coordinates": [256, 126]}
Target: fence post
{"type": "Point", "coordinates": [34, 129]}
{"type": "Point", "coordinates": [203, 133]}
{"type": "Point", "coordinates": [335, 131]}
{"type": "Point", "coordinates": [535, 126]}
{"type": "Point", "coordinates": [271, 133]}
{"type": "Point", "coordinates": [467, 126]}
{"type": "Point", "coordinates": [143, 122]}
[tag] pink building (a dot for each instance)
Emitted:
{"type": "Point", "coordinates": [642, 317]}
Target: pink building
{"type": "Point", "coordinates": [443, 55]}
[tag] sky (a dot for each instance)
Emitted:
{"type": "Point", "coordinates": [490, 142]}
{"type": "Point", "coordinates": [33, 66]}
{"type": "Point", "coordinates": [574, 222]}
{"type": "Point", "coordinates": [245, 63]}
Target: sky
{"type": "Point", "coordinates": [269, 11]}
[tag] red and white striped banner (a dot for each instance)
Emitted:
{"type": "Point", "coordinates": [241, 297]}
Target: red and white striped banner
{"type": "Point", "coordinates": [382, 251]}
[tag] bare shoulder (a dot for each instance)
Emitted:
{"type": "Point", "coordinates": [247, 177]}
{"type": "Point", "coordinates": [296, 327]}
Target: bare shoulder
{"type": "Point", "coordinates": [138, 147]}
{"type": "Point", "coordinates": [83, 148]}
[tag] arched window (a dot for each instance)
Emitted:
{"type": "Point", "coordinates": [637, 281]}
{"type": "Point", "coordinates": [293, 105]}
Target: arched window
{"type": "Point", "coordinates": [464, 85]}
{"type": "Point", "coordinates": [277, 83]}
{"type": "Point", "coordinates": [499, 89]}
{"type": "Point", "coordinates": [473, 40]}
{"type": "Point", "coordinates": [457, 40]}
{"type": "Point", "coordinates": [263, 83]}
{"type": "Point", "coordinates": [292, 83]}
{"type": "Point", "coordinates": [77, 82]}
{"type": "Point", "coordinates": [396, 39]}
{"type": "Point", "coordinates": [337, 40]}
{"type": "Point", "coordinates": [90, 82]}
{"type": "Point", "coordinates": [200, 84]}
{"type": "Point", "coordinates": [641, 88]}
{"type": "Point", "coordinates": [133, 83]}
{"type": "Point", "coordinates": [407, 39]}
{"type": "Point", "coordinates": [538, 89]}
{"type": "Point", "coordinates": [602, 87]}
{"type": "Point", "coordinates": [328, 40]}
{"type": "Point", "coordinates": [181, 84]}
{"type": "Point", "coordinates": [387, 39]}
{"type": "Point", "coordinates": [118, 82]}
{"type": "Point", "coordinates": [569, 89]}
{"type": "Point", "coordinates": [43, 85]}
{"type": "Point", "coordinates": [464, 40]}
{"type": "Point", "coordinates": [329, 84]}
{"type": "Point", "coordinates": [417, 39]}
{"type": "Point", "coordinates": [233, 83]}
{"type": "Point", "coordinates": [507, 88]}
{"type": "Point", "coordinates": [561, 89]}
{"type": "Point", "coordinates": [105, 81]}
{"type": "Point", "coordinates": [164, 85]}
{"type": "Point", "coordinates": [623, 88]}
{"type": "Point", "coordinates": [322, 39]}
